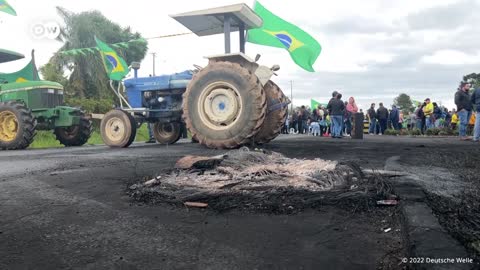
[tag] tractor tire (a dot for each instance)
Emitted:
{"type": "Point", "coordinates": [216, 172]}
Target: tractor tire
{"type": "Point", "coordinates": [76, 135]}
{"type": "Point", "coordinates": [118, 129]}
{"type": "Point", "coordinates": [224, 105]}
{"type": "Point", "coordinates": [17, 126]}
{"type": "Point", "coordinates": [275, 119]}
{"type": "Point", "coordinates": [167, 133]}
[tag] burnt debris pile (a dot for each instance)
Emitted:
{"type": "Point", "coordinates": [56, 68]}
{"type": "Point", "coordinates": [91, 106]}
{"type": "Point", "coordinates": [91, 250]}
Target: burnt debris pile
{"type": "Point", "coordinates": [260, 181]}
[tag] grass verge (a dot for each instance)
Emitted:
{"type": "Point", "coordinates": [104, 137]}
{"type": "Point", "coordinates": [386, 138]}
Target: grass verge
{"type": "Point", "coordinates": [46, 139]}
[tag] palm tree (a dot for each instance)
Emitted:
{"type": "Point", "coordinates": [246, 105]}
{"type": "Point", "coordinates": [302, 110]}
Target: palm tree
{"type": "Point", "coordinates": [87, 78]}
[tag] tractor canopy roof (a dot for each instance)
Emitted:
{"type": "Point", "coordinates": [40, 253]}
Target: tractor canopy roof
{"type": "Point", "coordinates": [211, 21]}
{"type": "Point", "coordinates": [7, 56]}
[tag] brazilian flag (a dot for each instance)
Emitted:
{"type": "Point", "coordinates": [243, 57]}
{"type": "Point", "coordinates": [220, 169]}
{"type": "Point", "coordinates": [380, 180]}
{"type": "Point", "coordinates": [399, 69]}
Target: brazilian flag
{"type": "Point", "coordinates": [115, 66]}
{"type": "Point", "coordinates": [314, 104]}
{"type": "Point", "coordinates": [28, 73]}
{"type": "Point", "coordinates": [276, 32]}
{"type": "Point", "coordinates": [5, 7]}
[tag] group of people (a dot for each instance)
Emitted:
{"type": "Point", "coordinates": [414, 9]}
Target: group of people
{"type": "Point", "coordinates": [430, 115]}
{"type": "Point", "coordinates": [425, 116]}
{"type": "Point", "coordinates": [335, 120]}
{"type": "Point", "coordinates": [468, 105]}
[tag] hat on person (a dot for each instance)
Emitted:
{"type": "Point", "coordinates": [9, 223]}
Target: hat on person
{"type": "Point", "coordinates": [427, 99]}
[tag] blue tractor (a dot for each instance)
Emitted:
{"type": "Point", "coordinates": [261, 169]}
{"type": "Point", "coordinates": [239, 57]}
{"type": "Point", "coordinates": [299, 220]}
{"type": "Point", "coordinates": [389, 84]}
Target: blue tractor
{"type": "Point", "coordinates": [154, 100]}
{"type": "Point", "coordinates": [229, 103]}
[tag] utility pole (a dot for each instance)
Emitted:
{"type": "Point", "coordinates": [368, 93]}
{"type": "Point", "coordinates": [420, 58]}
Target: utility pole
{"type": "Point", "coordinates": [154, 54]}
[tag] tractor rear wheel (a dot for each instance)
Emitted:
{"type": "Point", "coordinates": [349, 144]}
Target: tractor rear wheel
{"type": "Point", "coordinates": [224, 105]}
{"type": "Point", "coordinates": [76, 135]}
{"type": "Point", "coordinates": [17, 126]}
{"type": "Point", "coordinates": [118, 129]}
{"type": "Point", "coordinates": [276, 114]}
{"type": "Point", "coordinates": [167, 133]}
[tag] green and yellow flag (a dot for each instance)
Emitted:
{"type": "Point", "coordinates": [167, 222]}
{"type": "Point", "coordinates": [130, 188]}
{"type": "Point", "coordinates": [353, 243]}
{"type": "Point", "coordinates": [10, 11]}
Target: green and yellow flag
{"type": "Point", "coordinates": [115, 66]}
{"type": "Point", "coordinates": [276, 32]}
{"type": "Point", "coordinates": [5, 7]}
{"type": "Point", "coordinates": [28, 73]}
{"type": "Point", "coordinates": [314, 104]}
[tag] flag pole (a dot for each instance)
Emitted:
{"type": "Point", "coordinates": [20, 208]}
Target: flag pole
{"type": "Point", "coordinates": [34, 66]}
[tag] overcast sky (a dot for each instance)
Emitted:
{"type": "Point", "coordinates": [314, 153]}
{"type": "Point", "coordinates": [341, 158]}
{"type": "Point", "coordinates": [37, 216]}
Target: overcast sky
{"type": "Point", "coordinates": [372, 49]}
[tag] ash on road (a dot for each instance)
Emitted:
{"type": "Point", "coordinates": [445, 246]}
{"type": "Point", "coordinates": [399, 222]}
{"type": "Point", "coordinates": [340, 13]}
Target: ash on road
{"type": "Point", "coordinates": [70, 208]}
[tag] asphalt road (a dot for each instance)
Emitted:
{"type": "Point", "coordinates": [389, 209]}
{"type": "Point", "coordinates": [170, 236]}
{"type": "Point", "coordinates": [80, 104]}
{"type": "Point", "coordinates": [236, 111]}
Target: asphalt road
{"type": "Point", "coordinates": [68, 209]}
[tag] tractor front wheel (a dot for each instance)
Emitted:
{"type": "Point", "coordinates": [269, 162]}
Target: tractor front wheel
{"type": "Point", "coordinates": [167, 133]}
{"type": "Point", "coordinates": [17, 126]}
{"type": "Point", "coordinates": [76, 135]}
{"type": "Point", "coordinates": [224, 105]}
{"type": "Point", "coordinates": [118, 128]}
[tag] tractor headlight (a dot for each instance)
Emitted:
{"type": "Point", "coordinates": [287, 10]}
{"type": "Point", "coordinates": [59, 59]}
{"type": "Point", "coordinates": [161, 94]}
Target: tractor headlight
{"type": "Point", "coordinates": [161, 99]}
{"type": "Point", "coordinates": [60, 92]}
{"type": "Point", "coordinates": [51, 91]}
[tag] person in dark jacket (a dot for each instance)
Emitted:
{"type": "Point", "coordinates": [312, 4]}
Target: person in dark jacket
{"type": "Point", "coordinates": [476, 102]}
{"type": "Point", "coordinates": [418, 116]}
{"type": "Point", "coordinates": [448, 117]}
{"type": "Point", "coordinates": [372, 115]}
{"type": "Point", "coordinates": [395, 117]}
{"type": "Point", "coordinates": [294, 123]}
{"type": "Point", "coordinates": [464, 109]}
{"type": "Point", "coordinates": [302, 116]}
{"type": "Point", "coordinates": [382, 116]}
{"type": "Point", "coordinates": [437, 115]}
{"type": "Point", "coordinates": [336, 109]}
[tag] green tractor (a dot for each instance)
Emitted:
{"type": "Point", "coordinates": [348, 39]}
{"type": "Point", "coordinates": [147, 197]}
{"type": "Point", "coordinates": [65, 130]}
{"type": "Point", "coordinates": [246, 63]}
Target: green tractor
{"type": "Point", "coordinates": [28, 104]}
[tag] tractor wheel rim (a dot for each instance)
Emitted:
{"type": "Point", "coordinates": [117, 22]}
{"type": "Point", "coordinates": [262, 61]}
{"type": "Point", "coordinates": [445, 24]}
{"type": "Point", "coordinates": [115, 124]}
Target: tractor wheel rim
{"type": "Point", "coordinates": [220, 105]}
{"type": "Point", "coordinates": [8, 126]}
{"type": "Point", "coordinates": [115, 129]}
{"type": "Point", "coordinates": [165, 130]}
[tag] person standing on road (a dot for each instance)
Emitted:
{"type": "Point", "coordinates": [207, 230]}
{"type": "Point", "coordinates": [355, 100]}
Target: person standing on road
{"type": "Point", "coordinates": [294, 123]}
{"type": "Point", "coordinates": [286, 125]}
{"type": "Point", "coordinates": [394, 117]}
{"type": "Point", "coordinates": [401, 121]}
{"type": "Point", "coordinates": [300, 121]}
{"type": "Point", "coordinates": [412, 118]}
{"type": "Point", "coordinates": [151, 138]}
{"type": "Point", "coordinates": [464, 109]}
{"type": "Point", "coordinates": [476, 101]}
{"type": "Point", "coordinates": [454, 122]}
{"type": "Point", "coordinates": [437, 115]}
{"type": "Point", "coordinates": [448, 117]}
{"type": "Point", "coordinates": [428, 112]}
{"type": "Point", "coordinates": [418, 116]}
{"type": "Point", "coordinates": [351, 109]}
{"type": "Point", "coordinates": [336, 109]}
{"type": "Point", "coordinates": [382, 116]}
{"type": "Point", "coordinates": [372, 116]}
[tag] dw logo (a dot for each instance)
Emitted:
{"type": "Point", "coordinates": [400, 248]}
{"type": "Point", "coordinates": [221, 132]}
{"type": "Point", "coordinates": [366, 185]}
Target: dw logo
{"type": "Point", "coordinates": [45, 30]}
